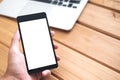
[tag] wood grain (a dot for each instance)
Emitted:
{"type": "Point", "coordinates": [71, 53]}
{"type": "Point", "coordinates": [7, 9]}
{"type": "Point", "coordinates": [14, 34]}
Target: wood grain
{"type": "Point", "coordinates": [8, 27]}
{"type": "Point", "coordinates": [3, 58]}
{"type": "Point", "coordinates": [93, 44]}
{"type": "Point", "coordinates": [1, 1]}
{"type": "Point", "coordinates": [74, 66]}
{"type": "Point", "coordinates": [101, 19]}
{"type": "Point", "coordinates": [113, 4]}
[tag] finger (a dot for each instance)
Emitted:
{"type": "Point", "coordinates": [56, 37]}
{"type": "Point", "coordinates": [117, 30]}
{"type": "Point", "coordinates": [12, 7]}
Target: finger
{"type": "Point", "coordinates": [46, 73]}
{"type": "Point", "coordinates": [40, 75]}
{"type": "Point", "coordinates": [58, 58]}
{"type": "Point", "coordinates": [15, 41]}
{"type": "Point", "coordinates": [52, 33]}
{"type": "Point", "coordinates": [55, 46]}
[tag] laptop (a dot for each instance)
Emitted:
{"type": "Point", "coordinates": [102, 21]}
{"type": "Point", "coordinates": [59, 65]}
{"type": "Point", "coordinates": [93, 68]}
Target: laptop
{"type": "Point", "coordinates": [62, 14]}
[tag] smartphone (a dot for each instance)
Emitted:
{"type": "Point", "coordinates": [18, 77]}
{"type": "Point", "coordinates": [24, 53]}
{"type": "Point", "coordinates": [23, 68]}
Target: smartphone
{"type": "Point", "coordinates": [37, 42]}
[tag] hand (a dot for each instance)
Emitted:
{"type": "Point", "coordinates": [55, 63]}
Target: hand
{"type": "Point", "coordinates": [16, 69]}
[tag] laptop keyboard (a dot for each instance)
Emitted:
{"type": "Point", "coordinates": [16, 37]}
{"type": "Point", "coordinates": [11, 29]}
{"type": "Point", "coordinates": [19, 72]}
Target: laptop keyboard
{"type": "Point", "coordinates": [65, 3]}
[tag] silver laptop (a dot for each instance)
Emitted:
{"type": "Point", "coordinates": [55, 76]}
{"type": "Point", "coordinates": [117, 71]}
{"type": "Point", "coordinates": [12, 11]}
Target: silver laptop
{"type": "Point", "coordinates": [61, 14]}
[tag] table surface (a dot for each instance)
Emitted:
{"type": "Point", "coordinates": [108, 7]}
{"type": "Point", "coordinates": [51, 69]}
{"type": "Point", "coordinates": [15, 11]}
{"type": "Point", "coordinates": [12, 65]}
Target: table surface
{"type": "Point", "coordinates": [90, 51]}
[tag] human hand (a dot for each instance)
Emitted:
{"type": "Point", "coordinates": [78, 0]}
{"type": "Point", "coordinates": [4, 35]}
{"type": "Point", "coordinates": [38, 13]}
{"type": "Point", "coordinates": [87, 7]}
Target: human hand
{"type": "Point", "coordinates": [16, 69]}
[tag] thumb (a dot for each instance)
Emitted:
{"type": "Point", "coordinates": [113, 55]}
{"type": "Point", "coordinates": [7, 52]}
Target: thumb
{"type": "Point", "coordinates": [15, 41]}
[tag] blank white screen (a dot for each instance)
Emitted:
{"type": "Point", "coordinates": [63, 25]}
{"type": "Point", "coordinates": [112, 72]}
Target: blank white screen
{"type": "Point", "coordinates": [37, 43]}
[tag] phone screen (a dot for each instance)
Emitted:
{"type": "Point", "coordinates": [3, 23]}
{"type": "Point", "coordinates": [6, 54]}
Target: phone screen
{"type": "Point", "coordinates": [37, 43]}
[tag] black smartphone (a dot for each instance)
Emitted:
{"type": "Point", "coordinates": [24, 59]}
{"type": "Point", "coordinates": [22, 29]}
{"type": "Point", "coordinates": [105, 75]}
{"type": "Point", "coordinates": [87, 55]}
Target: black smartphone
{"type": "Point", "coordinates": [37, 42]}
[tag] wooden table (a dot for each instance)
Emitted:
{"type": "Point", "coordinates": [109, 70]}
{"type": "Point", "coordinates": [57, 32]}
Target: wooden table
{"type": "Point", "coordinates": [90, 51]}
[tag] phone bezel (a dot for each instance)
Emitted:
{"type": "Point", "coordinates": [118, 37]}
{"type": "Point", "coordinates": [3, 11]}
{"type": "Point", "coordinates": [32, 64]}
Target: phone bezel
{"type": "Point", "coordinates": [29, 18]}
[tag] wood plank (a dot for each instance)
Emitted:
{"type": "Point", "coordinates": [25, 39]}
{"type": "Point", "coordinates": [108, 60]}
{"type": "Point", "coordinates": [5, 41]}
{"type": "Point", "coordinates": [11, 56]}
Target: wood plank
{"type": "Point", "coordinates": [95, 45]}
{"type": "Point", "coordinates": [1, 1]}
{"type": "Point", "coordinates": [101, 19]}
{"type": "Point", "coordinates": [3, 58]}
{"type": "Point", "coordinates": [7, 29]}
{"type": "Point", "coordinates": [74, 66]}
{"type": "Point", "coordinates": [113, 4]}
{"type": "Point", "coordinates": [8, 23]}
{"type": "Point", "coordinates": [5, 36]}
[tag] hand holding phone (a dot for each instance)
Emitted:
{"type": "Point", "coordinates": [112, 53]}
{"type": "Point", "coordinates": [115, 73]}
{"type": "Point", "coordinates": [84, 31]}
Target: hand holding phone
{"type": "Point", "coordinates": [37, 42]}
